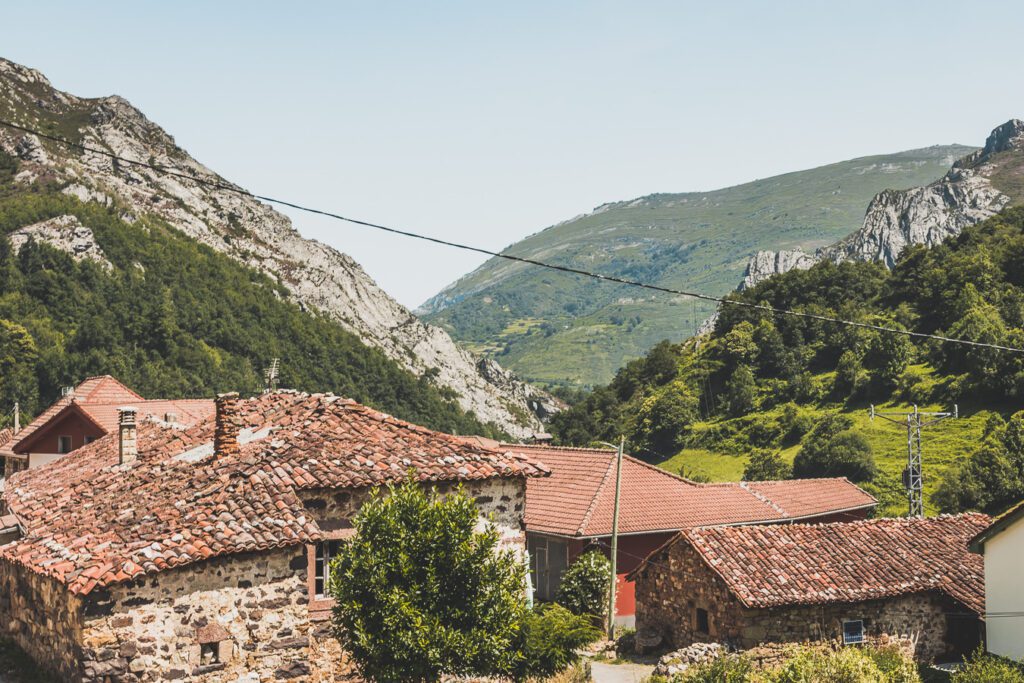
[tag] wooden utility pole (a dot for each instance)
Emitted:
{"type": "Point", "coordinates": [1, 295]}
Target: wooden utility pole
{"type": "Point", "coordinates": [615, 538]}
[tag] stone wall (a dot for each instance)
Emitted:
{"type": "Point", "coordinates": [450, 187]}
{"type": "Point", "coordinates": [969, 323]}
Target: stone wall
{"type": "Point", "coordinates": [251, 611]}
{"type": "Point", "coordinates": [677, 583]}
{"type": "Point", "coordinates": [42, 617]}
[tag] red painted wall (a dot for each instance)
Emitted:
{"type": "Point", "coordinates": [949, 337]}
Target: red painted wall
{"type": "Point", "coordinates": [72, 425]}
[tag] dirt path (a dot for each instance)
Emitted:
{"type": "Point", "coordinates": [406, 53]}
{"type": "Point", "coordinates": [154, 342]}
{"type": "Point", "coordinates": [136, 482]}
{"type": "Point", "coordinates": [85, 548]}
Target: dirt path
{"type": "Point", "coordinates": [620, 673]}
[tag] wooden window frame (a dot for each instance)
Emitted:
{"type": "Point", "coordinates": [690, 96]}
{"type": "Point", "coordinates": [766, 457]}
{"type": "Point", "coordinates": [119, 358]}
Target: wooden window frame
{"type": "Point", "coordinates": [321, 603]}
{"type": "Point", "coordinates": [60, 441]}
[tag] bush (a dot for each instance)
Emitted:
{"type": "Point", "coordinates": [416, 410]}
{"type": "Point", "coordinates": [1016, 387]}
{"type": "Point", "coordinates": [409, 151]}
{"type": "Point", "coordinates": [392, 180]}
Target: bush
{"type": "Point", "coordinates": [725, 669]}
{"type": "Point", "coordinates": [551, 635]}
{"type": "Point", "coordinates": [984, 668]}
{"type": "Point", "coordinates": [846, 665]}
{"type": "Point", "coordinates": [832, 450]}
{"type": "Point", "coordinates": [584, 588]}
{"type": "Point", "coordinates": [421, 593]}
{"type": "Point", "coordinates": [765, 465]}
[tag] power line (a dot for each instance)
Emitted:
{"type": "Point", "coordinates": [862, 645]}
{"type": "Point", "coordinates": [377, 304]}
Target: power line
{"type": "Point", "coordinates": [508, 257]}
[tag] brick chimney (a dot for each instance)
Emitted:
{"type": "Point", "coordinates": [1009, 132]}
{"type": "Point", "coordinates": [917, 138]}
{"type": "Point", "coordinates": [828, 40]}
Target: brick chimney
{"type": "Point", "coordinates": [128, 447]}
{"type": "Point", "coordinates": [226, 425]}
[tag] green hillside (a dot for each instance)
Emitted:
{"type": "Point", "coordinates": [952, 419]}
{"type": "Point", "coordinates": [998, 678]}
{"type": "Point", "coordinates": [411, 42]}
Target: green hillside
{"type": "Point", "coordinates": [764, 385]}
{"type": "Point", "coordinates": [557, 329]}
{"type": "Point", "coordinates": [171, 317]}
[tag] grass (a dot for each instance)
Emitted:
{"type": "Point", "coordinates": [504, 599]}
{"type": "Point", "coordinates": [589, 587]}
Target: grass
{"type": "Point", "coordinates": [696, 241]}
{"type": "Point", "coordinates": [944, 445]}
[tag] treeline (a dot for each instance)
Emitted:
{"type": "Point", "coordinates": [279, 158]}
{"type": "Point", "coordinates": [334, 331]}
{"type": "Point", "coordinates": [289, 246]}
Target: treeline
{"type": "Point", "coordinates": [757, 364]}
{"type": "Point", "coordinates": [174, 318]}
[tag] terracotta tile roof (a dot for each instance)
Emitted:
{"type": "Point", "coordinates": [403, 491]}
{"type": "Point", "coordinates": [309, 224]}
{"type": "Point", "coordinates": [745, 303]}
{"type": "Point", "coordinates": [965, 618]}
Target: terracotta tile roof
{"type": "Point", "coordinates": [806, 564]}
{"type": "Point", "coordinates": [578, 498]}
{"type": "Point", "coordinates": [5, 436]}
{"type": "Point", "coordinates": [89, 521]}
{"type": "Point", "coordinates": [99, 398]}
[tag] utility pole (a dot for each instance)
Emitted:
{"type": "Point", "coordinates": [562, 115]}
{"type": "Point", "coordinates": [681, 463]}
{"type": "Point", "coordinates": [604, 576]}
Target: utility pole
{"type": "Point", "coordinates": [17, 417]}
{"type": "Point", "coordinates": [615, 537]}
{"type": "Point", "coordinates": [270, 375]}
{"type": "Point", "coordinates": [913, 477]}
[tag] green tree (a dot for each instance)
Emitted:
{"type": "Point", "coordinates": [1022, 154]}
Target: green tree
{"type": "Point", "coordinates": [420, 593]}
{"type": "Point", "coordinates": [18, 358]}
{"type": "Point", "coordinates": [741, 391]}
{"type": "Point", "coordinates": [765, 465]}
{"type": "Point", "coordinates": [664, 419]}
{"type": "Point", "coordinates": [992, 478]}
{"type": "Point", "coordinates": [584, 587]}
{"type": "Point", "coordinates": [831, 449]}
{"type": "Point", "coordinates": [851, 378]}
{"type": "Point", "coordinates": [551, 635]}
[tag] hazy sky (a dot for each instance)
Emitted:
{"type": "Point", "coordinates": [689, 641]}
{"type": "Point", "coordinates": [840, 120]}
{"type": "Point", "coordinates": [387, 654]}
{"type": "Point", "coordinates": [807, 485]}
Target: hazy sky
{"type": "Point", "coordinates": [485, 121]}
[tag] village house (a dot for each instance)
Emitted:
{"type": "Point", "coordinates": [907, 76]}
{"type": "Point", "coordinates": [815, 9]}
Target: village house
{"type": "Point", "coordinates": [571, 510]}
{"type": "Point", "coordinates": [165, 552]}
{"type": "Point", "coordinates": [912, 582]}
{"type": "Point", "coordinates": [85, 413]}
{"type": "Point", "coordinates": [1002, 544]}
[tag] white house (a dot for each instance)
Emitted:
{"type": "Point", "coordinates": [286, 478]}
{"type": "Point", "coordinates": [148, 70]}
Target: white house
{"type": "Point", "coordinates": [1002, 544]}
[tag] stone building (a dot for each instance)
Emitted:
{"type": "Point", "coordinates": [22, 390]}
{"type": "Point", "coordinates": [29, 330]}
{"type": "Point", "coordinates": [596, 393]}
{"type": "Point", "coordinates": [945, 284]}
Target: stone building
{"type": "Point", "coordinates": [908, 581]}
{"type": "Point", "coordinates": [571, 511]}
{"type": "Point", "coordinates": [164, 552]}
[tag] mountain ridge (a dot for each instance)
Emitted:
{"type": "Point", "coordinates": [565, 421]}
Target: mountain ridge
{"type": "Point", "coordinates": [560, 329]}
{"type": "Point", "coordinates": [318, 277]}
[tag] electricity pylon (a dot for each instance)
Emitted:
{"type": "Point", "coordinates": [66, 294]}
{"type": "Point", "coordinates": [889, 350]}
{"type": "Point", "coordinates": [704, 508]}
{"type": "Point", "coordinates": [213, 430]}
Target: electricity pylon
{"type": "Point", "coordinates": [913, 478]}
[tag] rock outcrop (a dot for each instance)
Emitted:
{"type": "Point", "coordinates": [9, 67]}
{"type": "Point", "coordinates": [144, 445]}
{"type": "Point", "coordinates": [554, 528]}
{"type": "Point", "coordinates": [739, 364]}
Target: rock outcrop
{"type": "Point", "coordinates": [65, 233]}
{"type": "Point", "coordinates": [217, 213]}
{"type": "Point", "coordinates": [896, 219]}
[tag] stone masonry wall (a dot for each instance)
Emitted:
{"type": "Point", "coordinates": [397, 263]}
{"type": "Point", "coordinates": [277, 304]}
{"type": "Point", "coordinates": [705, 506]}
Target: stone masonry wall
{"type": "Point", "coordinates": [256, 606]}
{"type": "Point", "coordinates": [42, 617]}
{"type": "Point", "coordinates": [677, 582]}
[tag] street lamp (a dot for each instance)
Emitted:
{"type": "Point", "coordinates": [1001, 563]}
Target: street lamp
{"type": "Point", "coordinates": [615, 533]}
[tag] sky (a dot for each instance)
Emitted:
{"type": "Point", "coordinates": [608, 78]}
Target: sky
{"type": "Point", "coordinates": [484, 122]}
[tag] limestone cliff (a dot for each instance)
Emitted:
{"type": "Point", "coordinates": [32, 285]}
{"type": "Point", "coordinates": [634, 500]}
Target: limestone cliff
{"type": "Point", "coordinates": [318, 276]}
{"type": "Point", "coordinates": [977, 187]}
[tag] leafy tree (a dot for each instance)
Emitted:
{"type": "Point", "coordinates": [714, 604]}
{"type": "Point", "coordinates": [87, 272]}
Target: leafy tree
{"type": "Point", "coordinates": [584, 587]}
{"type": "Point", "coordinates": [764, 465]}
{"type": "Point", "coordinates": [832, 450]}
{"type": "Point", "coordinates": [888, 355]}
{"type": "Point", "coordinates": [981, 667]}
{"type": "Point", "coordinates": [420, 593]}
{"type": "Point", "coordinates": [992, 478]}
{"type": "Point", "coordinates": [851, 378]}
{"type": "Point", "coordinates": [664, 419]}
{"type": "Point", "coordinates": [18, 358]}
{"type": "Point", "coordinates": [741, 391]}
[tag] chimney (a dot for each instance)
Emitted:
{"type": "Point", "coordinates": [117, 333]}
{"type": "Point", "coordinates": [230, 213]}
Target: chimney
{"type": "Point", "coordinates": [171, 418]}
{"type": "Point", "coordinates": [128, 447]}
{"type": "Point", "coordinates": [226, 425]}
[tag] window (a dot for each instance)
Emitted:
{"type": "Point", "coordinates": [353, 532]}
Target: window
{"type": "Point", "coordinates": [90, 439]}
{"type": "Point", "coordinates": [325, 552]}
{"type": "Point", "coordinates": [209, 653]}
{"type": "Point", "coordinates": [703, 621]}
{"type": "Point", "coordinates": [853, 631]}
{"type": "Point", "coordinates": [63, 444]}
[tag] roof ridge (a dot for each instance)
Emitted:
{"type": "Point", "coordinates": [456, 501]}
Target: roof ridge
{"type": "Point", "coordinates": [597, 496]}
{"type": "Point", "coordinates": [764, 499]}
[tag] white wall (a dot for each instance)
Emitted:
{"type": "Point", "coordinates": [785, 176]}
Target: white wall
{"type": "Point", "coordinates": [1004, 591]}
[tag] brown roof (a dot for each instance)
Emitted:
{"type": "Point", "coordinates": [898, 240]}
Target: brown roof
{"type": "Point", "coordinates": [578, 498]}
{"type": "Point", "coordinates": [999, 524]}
{"type": "Point", "coordinates": [98, 398]}
{"type": "Point", "coordinates": [805, 564]}
{"type": "Point", "coordinates": [89, 521]}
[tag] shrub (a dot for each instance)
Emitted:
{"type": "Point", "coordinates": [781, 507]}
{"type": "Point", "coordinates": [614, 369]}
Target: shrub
{"type": "Point", "coordinates": [420, 592]}
{"type": "Point", "coordinates": [984, 668]}
{"type": "Point", "coordinates": [551, 635]}
{"type": "Point", "coordinates": [846, 665]}
{"type": "Point", "coordinates": [765, 465]}
{"type": "Point", "coordinates": [584, 588]}
{"type": "Point", "coordinates": [832, 450]}
{"type": "Point", "coordinates": [725, 669]}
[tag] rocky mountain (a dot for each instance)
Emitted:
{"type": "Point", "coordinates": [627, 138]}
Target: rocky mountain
{"type": "Point", "coordinates": [977, 187]}
{"type": "Point", "coordinates": [559, 329]}
{"type": "Point", "coordinates": [318, 277]}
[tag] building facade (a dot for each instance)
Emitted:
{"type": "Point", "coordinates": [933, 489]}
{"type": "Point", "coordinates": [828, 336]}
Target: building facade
{"type": "Point", "coordinates": [1002, 544]}
{"type": "Point", "coordinates": [201, 552]}
{"type": "Point", "coordinates": [911, 582]}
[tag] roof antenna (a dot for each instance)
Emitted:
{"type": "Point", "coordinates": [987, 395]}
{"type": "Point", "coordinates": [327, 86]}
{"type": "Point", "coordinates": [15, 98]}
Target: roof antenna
{"type": "Point", "coordinates": [270, 376]}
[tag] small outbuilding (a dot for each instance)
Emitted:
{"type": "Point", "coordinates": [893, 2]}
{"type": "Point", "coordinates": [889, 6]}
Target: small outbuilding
{"type": "Point", "coordinates": [912, 582]}
{"type": "Point", "coordinates": [1002, 544]}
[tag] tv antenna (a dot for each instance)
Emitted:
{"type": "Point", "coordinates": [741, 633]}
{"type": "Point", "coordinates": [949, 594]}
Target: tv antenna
{"type": "Point", "coordinates": [270, 375]}
{"type": "Point", "coordinates": [914, 421]}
